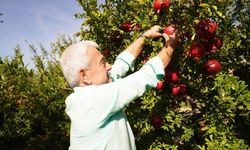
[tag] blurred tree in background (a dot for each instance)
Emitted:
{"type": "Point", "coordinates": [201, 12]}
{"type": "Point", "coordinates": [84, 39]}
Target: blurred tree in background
{"type": "Point", "coordinates": [32, 100]}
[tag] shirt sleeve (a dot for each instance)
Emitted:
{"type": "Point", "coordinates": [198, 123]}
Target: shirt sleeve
{"type": "Point", "coordinates": [123, 63]}
{"type": "Point", "coordinates": [114, 96]}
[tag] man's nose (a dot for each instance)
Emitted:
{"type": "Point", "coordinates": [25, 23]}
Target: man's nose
{"type": "Point", "coordinates": [108, 66]}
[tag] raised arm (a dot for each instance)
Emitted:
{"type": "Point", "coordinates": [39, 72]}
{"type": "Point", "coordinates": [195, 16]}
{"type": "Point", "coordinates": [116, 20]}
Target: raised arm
{"type": "Point", "coordinates": [125, 60]}
{"type": "Point", "coordinates": [167, 51]}
{"type": "Point", "coordinates": [114, 96]}
{"type": "Point", "coordinates": [136, 47]}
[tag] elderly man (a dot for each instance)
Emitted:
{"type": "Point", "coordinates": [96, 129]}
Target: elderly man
{"type": "Point", "coordinates": [100, 93]}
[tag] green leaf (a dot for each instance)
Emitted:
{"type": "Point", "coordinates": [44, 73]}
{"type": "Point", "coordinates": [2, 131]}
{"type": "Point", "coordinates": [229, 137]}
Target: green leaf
{"type": "Point", "coordinates": [239, 43]}
{"type": "Point", "coordinates": [243, 36]}
{"type": "Point", "coordinates": [241, 107]}
{"type": "Point", "coordinates": [214, 7]}
{"type": "Point", "coordinates": [209, 11]}
{"type": "Point", "coordinates": [204, 5]}
{"type": "Point", "coordinates": [220, 14]}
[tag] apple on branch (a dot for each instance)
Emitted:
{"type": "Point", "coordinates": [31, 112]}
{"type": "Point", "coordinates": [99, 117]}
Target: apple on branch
{"type": "Point", "coordinates": [156, 121]}
{"type": "Point", "coordinates": [179, 90]}
{"type": "Point", "coordinates": [126, 27]}
{"type": "Point", "coordinates": [160, 85]}
{"type": "Point", "coordinates": [212, 67]}
{"type": "Point", "coordinates": [161, 6]}
{"type": "Point", "coordinates": [169, 30]}
{"type": "Point", "coordinates": [171, 76]}
{"type": "Point", "coordinates": [206, 29]}
{"type": "Point", "coordinates": [196, 51]}
{"type": "Point", "coordinates": [214, 44]}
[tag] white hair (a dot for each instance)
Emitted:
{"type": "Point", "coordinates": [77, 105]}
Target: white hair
{"type": "Point", "coordinates": [74, 59]}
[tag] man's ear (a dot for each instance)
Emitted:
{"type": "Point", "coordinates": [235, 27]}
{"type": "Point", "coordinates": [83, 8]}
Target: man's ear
{"type": "Point", "coordinates": [84, 78]}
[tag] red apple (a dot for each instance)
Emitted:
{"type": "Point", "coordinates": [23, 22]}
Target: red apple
{"type": "Point", "coordinates": [197, 51]}
{"type": "Point", "coordinates": [169, 30]}
{"type": "Point", "coordinates": [156, 121]}
{"type": "Point", "coordinates": [179, 90]}
{"type": "Point", "coordinates": [206, 29]}
{"type": "Point", "coordinates": [160, 85]}
{"type": "Point", "coordinates": [212, 66]}
{"type": "Point", "coordinates": [214, 44]}
{"type": "Point", "coordinates": [160, 5]}
{"type": "Point", "coordinates": [126, 26]}
{"type": "Point", "coordinates": [171, 75]}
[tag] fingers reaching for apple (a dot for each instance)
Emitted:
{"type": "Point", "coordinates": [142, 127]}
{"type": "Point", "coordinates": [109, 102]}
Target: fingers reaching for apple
{"type": "Point", "coordinates": [153, 32]}
{"type": "Point", "coordinates": [166, 37]}
{"type": "Point", "coordinates": [171, 39]}
{"type": "Point", "coordinates": [170, 34]}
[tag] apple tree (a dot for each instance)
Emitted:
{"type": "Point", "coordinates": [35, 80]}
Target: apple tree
{"type": "Point", "coordinates": [204, 100]}
{"type": "Point", "coordinates": [32, 103]}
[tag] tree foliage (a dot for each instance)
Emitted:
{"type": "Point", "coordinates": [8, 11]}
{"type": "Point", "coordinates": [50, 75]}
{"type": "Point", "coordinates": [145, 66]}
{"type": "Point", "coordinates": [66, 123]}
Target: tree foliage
{"type": "Point", "coordinates": [213, 113]}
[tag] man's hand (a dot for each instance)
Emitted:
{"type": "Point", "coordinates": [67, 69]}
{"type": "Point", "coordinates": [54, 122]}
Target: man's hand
{"type": "Point", "coordinates": [169, 40]}
{"type": "Point", "coordinates": [153, 32]}
{"type": "Point", "coordinates": [136, 47]}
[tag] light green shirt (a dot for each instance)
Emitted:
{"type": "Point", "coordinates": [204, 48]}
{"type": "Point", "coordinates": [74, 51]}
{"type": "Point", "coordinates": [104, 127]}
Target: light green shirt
{"type": "Point", "coordinates": [96, 111]}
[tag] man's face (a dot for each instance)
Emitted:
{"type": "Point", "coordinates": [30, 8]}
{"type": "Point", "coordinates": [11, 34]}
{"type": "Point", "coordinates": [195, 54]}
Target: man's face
{"type": "Point", "coordinates": [98, 71]}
